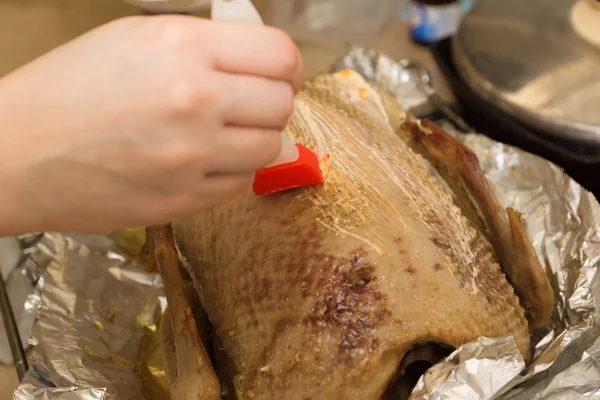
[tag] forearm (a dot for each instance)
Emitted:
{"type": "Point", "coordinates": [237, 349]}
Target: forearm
{"type": "Point", "coordinates": [15, 215]}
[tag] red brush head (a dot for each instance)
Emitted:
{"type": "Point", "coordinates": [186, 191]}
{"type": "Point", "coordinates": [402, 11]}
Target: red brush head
{"type": "Point", "coordinates": [305, 171]}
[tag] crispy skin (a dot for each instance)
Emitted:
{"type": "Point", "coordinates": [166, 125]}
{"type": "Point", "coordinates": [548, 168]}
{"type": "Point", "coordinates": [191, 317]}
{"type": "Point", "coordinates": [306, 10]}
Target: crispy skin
{"type": "Point", "coordinates": [318, 293]}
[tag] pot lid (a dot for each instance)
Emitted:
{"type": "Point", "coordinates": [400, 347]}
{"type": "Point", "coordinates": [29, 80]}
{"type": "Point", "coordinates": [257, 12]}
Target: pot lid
{"type": "Point", "coordinates": [531, 58]}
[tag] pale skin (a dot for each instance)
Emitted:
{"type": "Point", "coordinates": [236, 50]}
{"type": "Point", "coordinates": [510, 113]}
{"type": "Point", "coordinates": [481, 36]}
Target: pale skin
{"type": "Point", "coordinates": [141, 121]}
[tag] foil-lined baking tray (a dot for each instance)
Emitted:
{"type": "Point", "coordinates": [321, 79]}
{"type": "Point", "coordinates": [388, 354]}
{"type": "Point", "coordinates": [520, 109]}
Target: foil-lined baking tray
{"type": "Point", "coordinates": [96, 332]}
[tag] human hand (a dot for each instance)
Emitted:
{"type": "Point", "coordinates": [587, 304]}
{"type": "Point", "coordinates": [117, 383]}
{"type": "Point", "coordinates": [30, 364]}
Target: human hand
{"type": "Point", "coordinates": [141, 121]}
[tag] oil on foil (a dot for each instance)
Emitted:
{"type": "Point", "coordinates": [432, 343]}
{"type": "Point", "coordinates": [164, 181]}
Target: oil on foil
{"type": "Point", "coordinates": [96, 332]}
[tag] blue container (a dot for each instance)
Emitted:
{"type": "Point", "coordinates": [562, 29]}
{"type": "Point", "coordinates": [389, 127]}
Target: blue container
{"type": "Point", "coordinates": [432, 23]}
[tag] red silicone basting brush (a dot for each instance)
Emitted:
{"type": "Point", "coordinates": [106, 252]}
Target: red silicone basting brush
{"type": "Point", "coordinates": [306, 170]}
{"type": "Point", "coordinates": [296, 165]}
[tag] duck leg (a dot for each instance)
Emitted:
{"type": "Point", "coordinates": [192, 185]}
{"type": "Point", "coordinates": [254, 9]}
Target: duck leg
{"type": "Point", "coordinates": [460, 168]}
{"type": "Point", "coordinates": [188, 368]}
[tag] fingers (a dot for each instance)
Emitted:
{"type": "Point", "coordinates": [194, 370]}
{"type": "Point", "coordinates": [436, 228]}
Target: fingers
{"type": "Point", "coordinates": [256, 102]}
{"type": "Point", "coordinates": [208, 192]}
{"type": "Point", "coordinates": [238, 150]}
{"type": "Point", "coordinates": [254, 50]}
{"type": "Point", "coordinates": [217, 189]}
{"type": "Point", "coordinates": [233, 47]}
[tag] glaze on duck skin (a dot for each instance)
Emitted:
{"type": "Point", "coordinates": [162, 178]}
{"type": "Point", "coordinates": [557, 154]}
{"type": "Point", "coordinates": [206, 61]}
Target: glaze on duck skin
{"type": "Point", "coordinates": [322, 292]}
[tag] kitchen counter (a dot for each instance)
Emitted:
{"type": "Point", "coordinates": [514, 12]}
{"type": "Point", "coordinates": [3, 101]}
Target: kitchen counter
{"type": "Point", "coordinates": [30, 29]}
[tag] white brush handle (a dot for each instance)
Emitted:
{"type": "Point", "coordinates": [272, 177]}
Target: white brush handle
{"type": "Point", "coordinates": [235, 11]}
{"type": "Point", "coordinates": [244, 11]}
{"type": "Point", "coordinates": [288, 153]}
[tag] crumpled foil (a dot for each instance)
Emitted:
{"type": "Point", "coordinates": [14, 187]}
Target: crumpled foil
{"type": "Point", "coordinates": [476, 370]}
{"type": "Point", "coordinates": [20, 290]}
{"type": "Point", "coordinates": [95, 337]}
{"type": "Point", "coordinates": [398, 77]}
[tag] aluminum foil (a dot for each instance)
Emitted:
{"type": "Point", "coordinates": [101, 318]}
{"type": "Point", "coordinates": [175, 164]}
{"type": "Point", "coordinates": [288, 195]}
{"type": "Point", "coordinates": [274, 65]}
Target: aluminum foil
{"type": "Point", "coordinates": [95, 337]}
{"type": "Point", "coordinates": [476, 370]}
{"type": "Point", "coordinates": [21, 293]}
{"type": "Point", "coordinates": [398, 77]}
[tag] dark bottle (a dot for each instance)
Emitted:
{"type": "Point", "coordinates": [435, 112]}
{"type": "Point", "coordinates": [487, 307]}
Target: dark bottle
{"type": "Point", "coordinates": [433, 20]}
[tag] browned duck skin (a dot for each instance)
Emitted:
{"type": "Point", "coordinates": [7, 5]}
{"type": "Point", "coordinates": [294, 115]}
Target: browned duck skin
{"type": "Point", "coordinates": [335, 292]}
{"type": "Point", "coordinates": [188, 369]}
{"type": "Point", "coordinates": [320, 293]}
{"type": "Point", "coordinates": [460, 169]}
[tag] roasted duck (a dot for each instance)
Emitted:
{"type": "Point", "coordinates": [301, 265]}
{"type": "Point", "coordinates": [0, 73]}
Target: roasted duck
{"type": "Point", "coordinates": [350, 289]}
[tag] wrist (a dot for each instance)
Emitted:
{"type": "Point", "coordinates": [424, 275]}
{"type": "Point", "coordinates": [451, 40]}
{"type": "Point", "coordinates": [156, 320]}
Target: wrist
{"type": "Point", "coordinates": [13, 220]}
